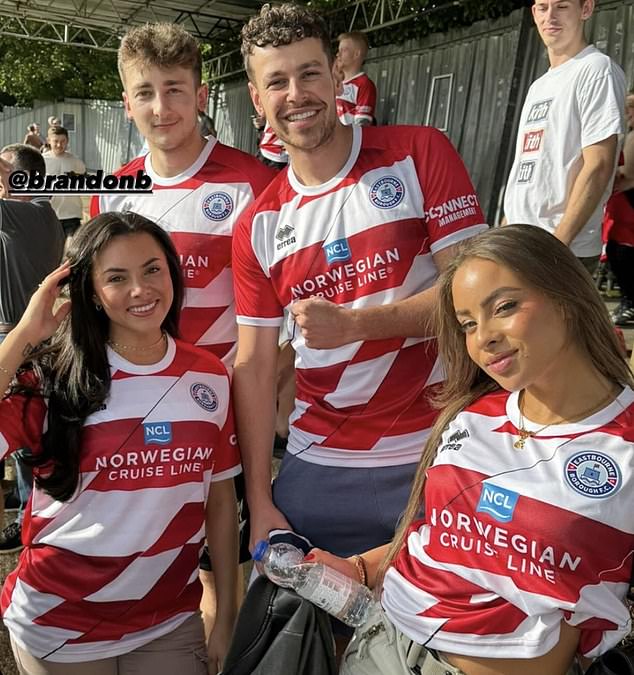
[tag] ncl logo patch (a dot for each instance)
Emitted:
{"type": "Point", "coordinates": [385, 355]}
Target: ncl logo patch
{"type": "Point", "coordinates": [497, 502]}
{"type": "Point", "coordinates": [157, 432]}
{"type": "Point", "coordinates": [337, 251]}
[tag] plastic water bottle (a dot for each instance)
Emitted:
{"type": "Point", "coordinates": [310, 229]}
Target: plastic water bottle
{"type": "Point", "coordinates": [338, 594]}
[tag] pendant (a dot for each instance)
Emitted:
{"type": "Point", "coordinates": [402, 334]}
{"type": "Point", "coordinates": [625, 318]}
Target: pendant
{"type": "Point", "coordinates": [520, 442]}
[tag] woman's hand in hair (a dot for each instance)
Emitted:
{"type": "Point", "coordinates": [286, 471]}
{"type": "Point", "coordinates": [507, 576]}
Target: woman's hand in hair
{"type": "Point", "coordinates": [43, 315]}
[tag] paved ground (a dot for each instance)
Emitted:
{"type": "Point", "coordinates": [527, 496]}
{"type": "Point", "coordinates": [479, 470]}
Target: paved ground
{"type": "Point", "coordinates": [9, 561]}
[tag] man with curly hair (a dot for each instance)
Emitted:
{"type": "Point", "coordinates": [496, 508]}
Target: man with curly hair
{"type": "Point", "coordinates": [349, 241]}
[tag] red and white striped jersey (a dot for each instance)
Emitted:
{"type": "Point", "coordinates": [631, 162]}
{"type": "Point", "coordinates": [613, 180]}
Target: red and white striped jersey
{"type": "Point", "coordinates": [514, 540]}
{"type": "Point", "coordinates": [271, 147]}
{"type": "Point", "coordinates": [365, 238]}
{"type": "Point", "coordinates": [116, 566]}
{"type": "Point", "coordinates": [357, 102]}
{"type": "Point", "coordinates": [199, 209]}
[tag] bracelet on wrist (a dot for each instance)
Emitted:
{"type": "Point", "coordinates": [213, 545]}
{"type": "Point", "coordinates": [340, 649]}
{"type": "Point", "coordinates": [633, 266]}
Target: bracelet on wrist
{"type": "Point", "coordinates": [6, 372]}
{"type": "Point", "coordinates": [362, 570]}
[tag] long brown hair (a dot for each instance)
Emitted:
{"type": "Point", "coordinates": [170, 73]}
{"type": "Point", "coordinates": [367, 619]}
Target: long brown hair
{"type": "Point", "coordinates": [545, 264]}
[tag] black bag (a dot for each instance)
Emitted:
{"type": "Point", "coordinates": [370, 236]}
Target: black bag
{"type": "Point", "coordinates": [616, 661]}
{"type": "Point", "coordinates": [280, 633]}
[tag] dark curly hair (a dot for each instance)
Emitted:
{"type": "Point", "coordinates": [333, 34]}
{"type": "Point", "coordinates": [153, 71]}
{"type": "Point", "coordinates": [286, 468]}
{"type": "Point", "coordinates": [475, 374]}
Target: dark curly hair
{"type": "Point", "coordinates": [281, 25]}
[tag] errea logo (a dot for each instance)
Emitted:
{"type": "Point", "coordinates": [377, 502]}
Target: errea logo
{"type": "Point", "coordinates": [284, 236]}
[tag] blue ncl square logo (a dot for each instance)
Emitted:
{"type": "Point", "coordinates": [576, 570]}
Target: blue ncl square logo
{"type": "Point", "coordinates": [155, 433]}
{"type": "Point", "coordinates": [337, 251]}
{"type": "Point", "coordinates": [498, 502]}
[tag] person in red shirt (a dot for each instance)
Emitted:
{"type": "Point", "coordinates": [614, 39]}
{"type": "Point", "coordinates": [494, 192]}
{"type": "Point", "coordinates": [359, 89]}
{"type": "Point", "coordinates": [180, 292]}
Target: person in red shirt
{"type": "Point", "coordinates": [523, 557]}
{"type": "Point", "coordinates": [346, 243]}
{"type": "Point", "coordinates": [356, 104]}
{"type": "Point", "coordinates": [131, 436]}
{"type": "Point", "coordinates": [618, 224]}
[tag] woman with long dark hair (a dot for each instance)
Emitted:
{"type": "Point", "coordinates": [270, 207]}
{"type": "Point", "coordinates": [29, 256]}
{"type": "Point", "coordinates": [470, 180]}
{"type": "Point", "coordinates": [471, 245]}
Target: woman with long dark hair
{"type": "Point", "coordinates": [133, 448]}
{"type": "Point", "coordinates": [522, 559]}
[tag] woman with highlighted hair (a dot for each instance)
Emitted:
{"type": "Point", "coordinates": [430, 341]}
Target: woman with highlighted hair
{"type": "Point", "coordinates": [522, 560]}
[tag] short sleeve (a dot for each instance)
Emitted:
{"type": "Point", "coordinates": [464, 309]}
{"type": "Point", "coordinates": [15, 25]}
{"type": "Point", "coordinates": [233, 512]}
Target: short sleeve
{"type": "Point", "coordinates": [256, 301]}
{"type": "Point", "coordinates": [601, 103]}
{"type": "Point", "coordinates": [21, 423]}
{"type": "Point", "coordinates": [451, 207]}
{"type": "Point", "coordinates": [228, 456]}
{"type": "Point", "coordinates": [366, 102]}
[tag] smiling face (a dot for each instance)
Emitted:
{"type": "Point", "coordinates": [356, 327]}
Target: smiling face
{"type": "Point", "coordinates": [164, 104]}
{"type": "Point", "coordinates": [58, 143]}
{"type": "Point", "coordinates": [560, 25]}
{"type": "Point", "coordinates": [131, 280]}
{"type": "Point", "coordinates": [513, 332]}
{"type": "Point", "coordinates": [294, 87]}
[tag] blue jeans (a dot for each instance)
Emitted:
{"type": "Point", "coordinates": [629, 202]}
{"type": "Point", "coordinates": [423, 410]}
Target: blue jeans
{"type": "Point", "coordinates": [24, 480]}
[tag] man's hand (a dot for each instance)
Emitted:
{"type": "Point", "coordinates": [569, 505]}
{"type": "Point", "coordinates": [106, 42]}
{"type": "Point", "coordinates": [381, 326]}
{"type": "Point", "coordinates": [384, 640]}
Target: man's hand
{"type": "Point", "coordinates": [324, 324]}
{"type": "Point", "coordinates": [218, 645]}
{"type": "Point", "coordinates": [265, 517]}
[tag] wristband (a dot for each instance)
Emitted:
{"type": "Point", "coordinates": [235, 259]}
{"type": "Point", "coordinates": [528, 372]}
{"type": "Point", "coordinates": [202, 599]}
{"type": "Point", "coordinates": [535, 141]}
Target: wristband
{"type": "Point", "coordinates": [362, 570]}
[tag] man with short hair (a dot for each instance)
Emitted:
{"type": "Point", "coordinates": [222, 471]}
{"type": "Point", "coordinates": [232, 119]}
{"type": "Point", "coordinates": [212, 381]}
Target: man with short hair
{"type": "Point", "coordinates": [349, 239]}
{"type": "Point", "coordinates": [31, 246]}
{"type": "Point", "coordinates": [200, 186]}
{"type": "Point", "coordinates": [357, 102]}
{"type": "Point", "coordinates": [567, 143]}
{"type": "Point", "coordinates": [59, 161]}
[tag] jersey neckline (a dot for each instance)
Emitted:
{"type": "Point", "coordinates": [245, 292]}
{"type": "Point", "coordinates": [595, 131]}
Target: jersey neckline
{"type": "Point", "coordinates": [594, 421]}
{"type": "Point", "coordinates": [118, 362]}
{"type": "Point", "coordinates": [190, 172]}
{"type": "Point", "coordinates": [315, 190]}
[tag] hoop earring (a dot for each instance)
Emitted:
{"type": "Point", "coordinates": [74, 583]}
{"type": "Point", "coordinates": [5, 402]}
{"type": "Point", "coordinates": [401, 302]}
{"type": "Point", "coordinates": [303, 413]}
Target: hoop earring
{"type": "Point", "coordinates": [98, 307]}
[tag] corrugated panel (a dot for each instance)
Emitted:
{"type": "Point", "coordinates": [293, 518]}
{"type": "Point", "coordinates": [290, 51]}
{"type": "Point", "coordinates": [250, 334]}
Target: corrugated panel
{"type": "Point", "coordinates": [491, 65]}
{"type": "Point", "coordinates": [231, 109]}
{"type": "Point", "coordinates": [103, 138]}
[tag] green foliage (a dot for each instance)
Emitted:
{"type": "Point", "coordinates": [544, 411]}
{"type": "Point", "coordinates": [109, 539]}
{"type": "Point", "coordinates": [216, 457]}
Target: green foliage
{"type": "Point", "coordinates": [425, 16]}
{"type": "Point", "coordinates": [32, 70]}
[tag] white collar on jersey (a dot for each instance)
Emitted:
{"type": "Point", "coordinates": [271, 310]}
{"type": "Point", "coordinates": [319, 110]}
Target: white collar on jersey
{"type": "Point", "coordinates": [188, 173]}
{"type": "Point", "coordinates": [313, 190]}
{"type": "Point", "coordinates": [118, 362]}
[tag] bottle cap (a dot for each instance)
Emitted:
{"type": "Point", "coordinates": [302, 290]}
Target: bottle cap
{"type": "Point", "coordinates": [259, 550]}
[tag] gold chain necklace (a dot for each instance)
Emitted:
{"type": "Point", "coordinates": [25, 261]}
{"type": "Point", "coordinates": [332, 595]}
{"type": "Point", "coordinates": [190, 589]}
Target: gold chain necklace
{"type": "Point", "coordinates": [525, 434]}
{"type": "Point", "coordinates": [131, 348]}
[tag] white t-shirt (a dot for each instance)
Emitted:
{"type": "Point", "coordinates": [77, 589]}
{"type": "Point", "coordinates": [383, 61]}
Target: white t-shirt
{"type": "Point", "coordinates": [570, 107]}
{"type": "Point", "coordinates": [69, 206]}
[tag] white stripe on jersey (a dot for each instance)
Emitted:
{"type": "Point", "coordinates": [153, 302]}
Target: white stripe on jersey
{"type": "Point", "coordinates": [137, 579]}
{"type": "Point", "coordinates": [519, 540]}
{"type": "Point", "coordinates": [95, 512]}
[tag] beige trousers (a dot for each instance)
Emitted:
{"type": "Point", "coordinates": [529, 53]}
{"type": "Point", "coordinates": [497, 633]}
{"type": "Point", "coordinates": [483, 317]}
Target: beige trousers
{"type": "Point", "coordinates": [181, 652]}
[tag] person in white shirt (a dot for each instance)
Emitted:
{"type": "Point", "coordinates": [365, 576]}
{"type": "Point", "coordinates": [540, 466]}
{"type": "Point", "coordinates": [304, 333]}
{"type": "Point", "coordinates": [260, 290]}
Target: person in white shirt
{"type": "Point", "coordinates": [567, 143]}
{"type": "Point", "coordinates": [58, 162]}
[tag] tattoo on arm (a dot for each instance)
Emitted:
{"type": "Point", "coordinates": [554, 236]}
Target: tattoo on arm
{"type": "Point", "coordinates": [28, 349]}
